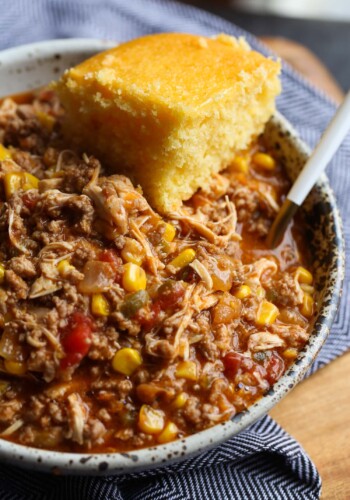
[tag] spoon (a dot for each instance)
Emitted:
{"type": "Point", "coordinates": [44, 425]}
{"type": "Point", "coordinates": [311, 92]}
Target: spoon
{"type": "Point", "coordinates": [316, 164]}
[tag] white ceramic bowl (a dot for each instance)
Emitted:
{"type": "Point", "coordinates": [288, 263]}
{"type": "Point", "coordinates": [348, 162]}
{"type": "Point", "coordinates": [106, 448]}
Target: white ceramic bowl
{"type": "Point", "coordinates": [31, 66]}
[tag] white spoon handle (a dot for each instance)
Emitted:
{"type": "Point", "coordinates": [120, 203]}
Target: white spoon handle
{"type": "Point", "coordinates": [322, 154]}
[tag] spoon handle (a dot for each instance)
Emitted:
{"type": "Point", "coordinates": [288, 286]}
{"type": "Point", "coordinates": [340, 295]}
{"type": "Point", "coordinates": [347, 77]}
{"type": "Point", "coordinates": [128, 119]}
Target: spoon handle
{"type": "Point", "coordinates": [322, 154]}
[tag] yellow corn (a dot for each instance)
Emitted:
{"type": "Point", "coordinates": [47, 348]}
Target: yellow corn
{"type": "Point", "coordinates": [2, 273]}
{"type": "Point", "coordinates": [180, 400]}
{"type": "Point", "coordinates": [46, 120]}
{"type": "Point", "coordinates": [187, 370]}
{"type": "Point", "coordinates": [169, 433]}
{"type": "Point", "coordinates": [304, 276]}
{"type": "Point", "coordinates": [290, 353]}
{"type": "Point", "coordinates": [151, 421]}
{"type": "Point", "coordinates": [169, 232]}
{"type": "Point", "coordinates": [307, 308]}
{"type": "Point", "coordinates": [243, 292]}
{"type": "Point", "coordinates": [264, 161]}
{"type": "Point", "coordinates": [15, 367]}
{"type": "Point", "coordinates": [183, 259]}
{"type": "Point", "coordinates": [307, 288]}
{"type": "Point", "coordinates": [267, 313]}
{"type": "Point", "coordinates": [4, 153]}
{"type": "Point", "coordinates": [134, 278]}
{"type": "Point", "coordinates": [64, 266]}
{"type": "Point", "coordinates": [99, 305]}
{"type": "Point", "coordinates": [132, 251]}
{"type": "Point", "coordinates": [260, 292]}
{"type": "Point", "coordinates": [126, 361]}
{"type": "Point", "coordinates": [240, 164]}
{"type": "Point", "coordinates": [14, 181]}
{"type": "Point", "coordinates": [29, 181]}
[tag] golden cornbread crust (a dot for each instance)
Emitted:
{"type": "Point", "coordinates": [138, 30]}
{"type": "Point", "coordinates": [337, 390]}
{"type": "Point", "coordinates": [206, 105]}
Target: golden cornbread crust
{"type": "Point", "coordinates": [169, 109]}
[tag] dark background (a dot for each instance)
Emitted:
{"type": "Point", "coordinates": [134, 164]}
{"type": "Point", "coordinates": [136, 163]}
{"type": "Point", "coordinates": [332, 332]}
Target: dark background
{"type": "Point", "coordinates": [329, 40]}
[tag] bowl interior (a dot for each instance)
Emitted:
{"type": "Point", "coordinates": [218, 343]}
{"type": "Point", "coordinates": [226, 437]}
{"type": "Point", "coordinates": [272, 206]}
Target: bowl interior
{"type": "Point", "coordinates": [31, 66]}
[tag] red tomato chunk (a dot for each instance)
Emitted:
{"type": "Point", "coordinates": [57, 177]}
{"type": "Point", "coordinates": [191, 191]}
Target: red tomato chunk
{"type": "Point", "coordinates": [76, 340]}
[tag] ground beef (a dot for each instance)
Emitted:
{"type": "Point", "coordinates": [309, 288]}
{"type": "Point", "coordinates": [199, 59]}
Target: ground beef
{"type": "Point", "coordinates": [284, 290]}
{"type": "Point", "coordinates": [8, 411]}
{"type": "Point", "coordinates": [23, 266]}
{"type": "Point", "coordinates": [16, 284]}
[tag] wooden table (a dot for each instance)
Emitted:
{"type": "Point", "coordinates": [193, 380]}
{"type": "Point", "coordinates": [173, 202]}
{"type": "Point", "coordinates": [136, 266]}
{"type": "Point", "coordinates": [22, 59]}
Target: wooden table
{"type": "Point", "coordinates": [317, 414]}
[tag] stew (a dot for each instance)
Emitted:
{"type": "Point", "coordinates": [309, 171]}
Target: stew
{"type": "Point", "coordinates": [121, 328]}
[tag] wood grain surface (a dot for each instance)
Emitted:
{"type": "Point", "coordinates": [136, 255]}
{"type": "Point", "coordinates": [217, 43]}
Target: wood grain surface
{"type": "Point", "coordinates": [317, 414]}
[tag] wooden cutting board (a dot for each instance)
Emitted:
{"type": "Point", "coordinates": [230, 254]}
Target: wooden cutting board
{"type": "Point", "coordinates": [317, 414]}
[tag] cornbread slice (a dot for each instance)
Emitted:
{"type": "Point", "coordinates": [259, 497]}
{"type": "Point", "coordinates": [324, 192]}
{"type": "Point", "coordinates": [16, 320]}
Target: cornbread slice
{"type": "Point", "coordinates": [169, 109]}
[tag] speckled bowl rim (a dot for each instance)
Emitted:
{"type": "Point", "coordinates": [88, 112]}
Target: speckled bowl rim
{"type": "Point", "coordinates": [119, 463]}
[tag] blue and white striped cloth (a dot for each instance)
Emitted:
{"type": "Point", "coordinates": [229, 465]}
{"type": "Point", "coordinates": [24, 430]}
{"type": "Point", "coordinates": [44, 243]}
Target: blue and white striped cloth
{"type": "Point", "coordinates": [263, 462]}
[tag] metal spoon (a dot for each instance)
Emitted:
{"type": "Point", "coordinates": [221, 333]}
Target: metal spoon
{"type": "Point", "coordinates": [316, 164]}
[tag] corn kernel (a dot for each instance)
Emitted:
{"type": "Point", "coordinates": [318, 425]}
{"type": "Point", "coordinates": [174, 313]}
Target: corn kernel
{"type": "Point", "coordinates": [2, 273]}
{"type": "Point", "coordinates": [15, 367]}
{"type": "Point", "coordinates": [304, 276]}
{"type": "Point", "coordinates": [180, 400]}
{"type": "Point", "coordinates": [169, 433]}
{"type": "Point", "coordinates": [126, 361]}
{"type": "Point", "coordinates": [260, 292]}
{"type": "Point", "coordinates": [187, 370]}
{"type": "Point", "coordinates": [4, 153]}
{"type": "Point", "coordinates": [290, 353]}
{"type": "Point", "coordinates": [183, 259]}
{"type": "Point", "coordinates": [240, 164]}
{"type": "Point", "coordinates": [14, 181]}
{"type": "Point", "coordinates": [64, 266]}
{"type": "Point", "coordinates": [134, 278]}
{"type": "Point", "coordinates": [307, 308]}
{"type": "Point", "coordinates": [307, 288]}
{"type": "Point", "coordinates": [46, 120]}
{"type": "Point", "coordinates": [99, 305]}
{"type": "Point", "coordinates": [267, 313]}
{"type": "Point", "coordinates": [151, 421]}
{"type": "Point", "coordinates": [29, 181]}
{"type": "Point", "coordinates": [132, 252]}
{"type": "Point", "coordinates": [264, 161]}
{"type": "Point", "coordinates": [242, 292]}
{"type": "Point", "coordinates": [169, 232]}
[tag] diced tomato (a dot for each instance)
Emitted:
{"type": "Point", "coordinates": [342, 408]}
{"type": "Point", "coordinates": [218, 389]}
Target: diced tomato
{"type": "Point", "coordinates": [274, 367]}
{"type": "Point", "coordinates": [116, 262]}
{"type": "Point", "coordinates": [76, 340]}
{"type": "Point", "coordinates": [149, 319]}
{"type": "Point", "coordinates": [170, 294]}
{"type": "Point", "coordinates": [232, 363]}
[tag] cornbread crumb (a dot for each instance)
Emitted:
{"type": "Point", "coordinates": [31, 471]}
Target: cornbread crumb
{"type": "Point", "coordinates": [169, 109]}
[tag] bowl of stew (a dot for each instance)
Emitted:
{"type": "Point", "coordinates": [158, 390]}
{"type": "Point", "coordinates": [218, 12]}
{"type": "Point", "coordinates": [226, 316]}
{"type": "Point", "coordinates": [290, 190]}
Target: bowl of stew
{"type": "Point", "coordinates": [129, 339]}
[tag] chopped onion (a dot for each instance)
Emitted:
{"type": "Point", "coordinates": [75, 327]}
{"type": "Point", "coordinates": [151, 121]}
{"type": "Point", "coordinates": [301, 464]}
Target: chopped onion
{"type": "Point", "coordinates": [98, 277]}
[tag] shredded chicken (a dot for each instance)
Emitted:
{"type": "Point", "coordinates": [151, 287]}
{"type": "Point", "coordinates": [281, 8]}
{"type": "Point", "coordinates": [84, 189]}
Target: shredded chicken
{"type": "Point", "coordinates": [203, 272]}
{"type": "Point", "coordinates": [152, 260]}
{"type": "Point", "coordinates": [43, 286]}
{"type": "Point", "coordinates": [263, 341]}
{"type": "Point", "coordinates": [78, 415]}
{"type": "Point", "coordinates": [12, 428]}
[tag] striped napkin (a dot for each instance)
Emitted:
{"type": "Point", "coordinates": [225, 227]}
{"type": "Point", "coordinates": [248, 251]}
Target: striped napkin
{"type": "Point", "coordinates": [263, 462]}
